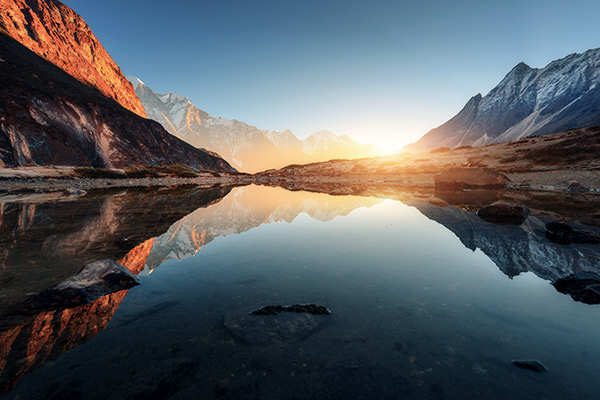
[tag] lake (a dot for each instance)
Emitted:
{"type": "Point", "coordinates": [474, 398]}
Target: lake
{"type": "Point", "coordinates": [427, 301]}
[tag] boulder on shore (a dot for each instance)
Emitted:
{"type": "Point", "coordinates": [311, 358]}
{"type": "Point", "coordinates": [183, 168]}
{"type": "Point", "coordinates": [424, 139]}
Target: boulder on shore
{"type": "Point", "coordinates": [560, 232]}
{"type": "Point", "coordinates": [582, 286]}
{"type": "Point", "coordinates": [467, 178]}
{"type": "Point", "coordinates": [95, 280]}
{"type": "Point", "coordinates": [504, 214]}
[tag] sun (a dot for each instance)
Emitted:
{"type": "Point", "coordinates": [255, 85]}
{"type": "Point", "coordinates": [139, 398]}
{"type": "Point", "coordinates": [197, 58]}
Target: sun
{"type": "Point", "coordinates": [388, 149]}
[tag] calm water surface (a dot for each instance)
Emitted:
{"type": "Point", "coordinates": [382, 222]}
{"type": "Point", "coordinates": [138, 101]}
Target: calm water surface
{"type": "Point", "coordinates": [426, 302]}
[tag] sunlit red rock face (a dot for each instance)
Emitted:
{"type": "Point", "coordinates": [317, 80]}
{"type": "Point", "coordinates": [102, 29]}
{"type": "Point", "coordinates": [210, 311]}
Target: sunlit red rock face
{"type": "Point", "coordinates": [57, 33]}
{"type": "Point", "coordinates": [47, 117]}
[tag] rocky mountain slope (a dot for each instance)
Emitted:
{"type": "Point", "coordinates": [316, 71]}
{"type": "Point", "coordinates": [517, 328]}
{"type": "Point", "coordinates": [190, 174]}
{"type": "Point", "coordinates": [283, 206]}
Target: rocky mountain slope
{"type": "Point", "coordinates": [47, 117]}
{"type": "Point", "coordinates": [527, 102]}
{"type": "Point", "coordinates": [55, 32]}
{"type": "Point", "coordinates": [248, 148]}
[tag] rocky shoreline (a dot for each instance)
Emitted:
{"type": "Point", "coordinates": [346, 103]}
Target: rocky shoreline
{"type": "Point", "coordinates": [559, 181]}
{"type": "Point", "coordinates": [20, 184]}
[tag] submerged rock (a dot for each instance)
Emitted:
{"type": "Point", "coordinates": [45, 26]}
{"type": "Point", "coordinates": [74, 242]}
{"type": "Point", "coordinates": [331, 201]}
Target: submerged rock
{"type": "Point", "coordinates": [504, 214]}
{"type": "Point", "coordinates": [562, 233]}
{"type": "Point", "coordinates": [296, 308]}
{"type": "Point", "coordinates": [278, 324]}
{"type": "Point", "coordinates": [465, 199]}
{"type": "Point", "coordinates": [582, 286]}
{"type": "Point", "coordinates": [95, 280]}
{"type": "Point", "coordinates": [576, 187]}
{"type": "Point", "coordinates": [465, 178]}
{"type": "Point", "coordinates": [532, 365]}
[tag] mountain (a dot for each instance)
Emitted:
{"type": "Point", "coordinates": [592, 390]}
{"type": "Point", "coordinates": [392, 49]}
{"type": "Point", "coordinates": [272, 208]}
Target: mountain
{"type": "Point", "coordinates": [325, 145]}
{"type": "Point", "coordinates": [245, 146]}
{"type": "Point", "coordinates": [248, 148]}
{"type": "Point", "coordinates": [527, 102]}
{"type": "Point", "coordinates": [47, 117]}
{"type": "Point", "coordinates": [54, 31]}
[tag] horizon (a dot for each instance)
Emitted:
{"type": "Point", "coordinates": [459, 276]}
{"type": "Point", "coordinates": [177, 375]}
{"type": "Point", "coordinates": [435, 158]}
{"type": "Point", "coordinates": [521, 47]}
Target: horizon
{"type": "Point", "coordinates": [372, 72]}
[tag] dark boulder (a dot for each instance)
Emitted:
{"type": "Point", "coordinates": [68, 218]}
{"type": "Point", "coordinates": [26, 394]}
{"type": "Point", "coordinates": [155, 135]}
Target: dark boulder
{"type": "Point", "coordinates": [504, 214]}
{"type": "Point", "coordinates": [582, 286]}
{"type": "Point", "coordinates": [576, 187]}
{"type": "Point", "coordinates": [469, 197]}
{"type": "Point", "coordinates": [278, 324]}
{"type": "Point", "coordinates": [295, 308]}
{"type": "Point", "coordinates": [467, 178]}
{"type": "Point", "coordinates": [560, 232]}
{"type": "Point", "coordinates": [286, 327]}
{"type": "Point", "coordinates": [531, 365]}
{"type": "Point", "coordinates": [92, 282]}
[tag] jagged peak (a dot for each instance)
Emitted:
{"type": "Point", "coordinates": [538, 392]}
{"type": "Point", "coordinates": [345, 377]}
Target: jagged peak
{"type": "Point", "coordinates": [135, 81]}
{"type": "Point", "coordinates": [322, 134]}
{"type": "Point", "coordinates": [473, 101]}
{"type": "Point", "coordinates": [519, 69]}
{"type": "Point", "coordinates": [173, 97]}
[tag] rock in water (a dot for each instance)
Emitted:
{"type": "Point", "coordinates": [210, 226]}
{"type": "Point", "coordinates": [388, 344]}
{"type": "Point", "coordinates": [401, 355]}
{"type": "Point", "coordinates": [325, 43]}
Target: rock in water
{"type": "Point", "coordinates": [278, 324]}
{"type": "Point", "coordinates": [504, 214]}
{"type": "Point", "coordinates": [582, 286]}
{"type": "Point", "coordinates": [576, 187]}
{"type": "Point", "coordinates": [465, 178]}
{"type": "Point", "coordinates": [562, 233]}
{"type": "Point", "coordinates": [95, 280]}
{"type": "Point", "coordinates": [296, 308]}
{"type": "Point", "coordinates": [532, 365]}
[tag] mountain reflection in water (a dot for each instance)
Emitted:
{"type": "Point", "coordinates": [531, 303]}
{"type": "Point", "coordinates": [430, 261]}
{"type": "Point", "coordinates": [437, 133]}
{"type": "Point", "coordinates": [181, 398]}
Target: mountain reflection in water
{"type": "Point", "coordinates": [45, 242]}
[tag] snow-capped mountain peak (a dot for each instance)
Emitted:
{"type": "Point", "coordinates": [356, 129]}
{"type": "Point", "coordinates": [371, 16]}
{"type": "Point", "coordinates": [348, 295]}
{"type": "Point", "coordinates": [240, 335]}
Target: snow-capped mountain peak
{"type": "Point", "coordinates": [248, 148]}
{"type": "Point", "coordinates": [135, 81]}
{"type": "Point", "coordinates": [565, 94]}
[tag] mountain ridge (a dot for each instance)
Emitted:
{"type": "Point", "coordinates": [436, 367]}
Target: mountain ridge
{"type": "Point", "coordinates": [55, 32]}
{"type": "Point", "coordinates": [48, 117]}
{"type": "Point", "coordinates": [247, 147]}
{"type": "Point", "coordinates": [565, 94]}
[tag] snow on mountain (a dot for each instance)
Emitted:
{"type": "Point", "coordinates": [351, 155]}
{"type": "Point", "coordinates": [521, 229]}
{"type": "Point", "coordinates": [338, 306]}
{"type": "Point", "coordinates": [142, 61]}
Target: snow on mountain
{"type": "Point", "coordinates": [248, 148]}
{"type": "Point", "coordinates": [527, 102]}
{"type": "Point", "coordinates": [285, 140]}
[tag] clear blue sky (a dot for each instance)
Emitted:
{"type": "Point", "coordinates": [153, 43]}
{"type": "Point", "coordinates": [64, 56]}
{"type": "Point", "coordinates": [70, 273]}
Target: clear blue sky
{"type": "Point", "coordinates": [380, 71]}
